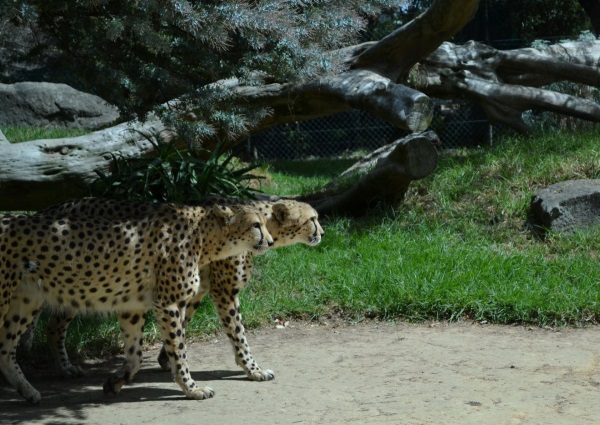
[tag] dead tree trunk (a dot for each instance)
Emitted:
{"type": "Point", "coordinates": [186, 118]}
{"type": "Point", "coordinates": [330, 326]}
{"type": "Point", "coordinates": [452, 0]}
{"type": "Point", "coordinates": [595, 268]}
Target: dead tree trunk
{"type": "Point", "coordinates": [361, 89]}
{"type": "Point", "coordinates": [39, 173]}
{"type": "Point", "coordinates": [381, 177]}
{"type": "Point", "coordinates": [391, 79]}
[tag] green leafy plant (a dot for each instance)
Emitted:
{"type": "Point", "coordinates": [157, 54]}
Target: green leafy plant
{"type": "Point", "coordinates": [176, 175]}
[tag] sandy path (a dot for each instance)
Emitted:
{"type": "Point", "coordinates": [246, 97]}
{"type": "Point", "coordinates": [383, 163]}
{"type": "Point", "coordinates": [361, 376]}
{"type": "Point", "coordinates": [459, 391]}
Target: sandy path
{"type": "Point", "coordinates": [364, 374]}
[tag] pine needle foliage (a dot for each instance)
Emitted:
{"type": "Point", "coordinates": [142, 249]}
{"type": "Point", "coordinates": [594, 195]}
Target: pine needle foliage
{"type": "Point", "coordinates": [140, 54]}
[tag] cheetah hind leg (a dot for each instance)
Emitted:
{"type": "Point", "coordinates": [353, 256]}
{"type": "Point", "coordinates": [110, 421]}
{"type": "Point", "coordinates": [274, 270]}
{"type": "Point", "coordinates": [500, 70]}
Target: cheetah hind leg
{"type": "Point", "coordinates": [56, 335]}
{"type": "Point", "coordinates": [26, 341]}
{"type": "Point", "coordinates": [132, 326]}
{"type": "Point", "coordinates": [24, 306]}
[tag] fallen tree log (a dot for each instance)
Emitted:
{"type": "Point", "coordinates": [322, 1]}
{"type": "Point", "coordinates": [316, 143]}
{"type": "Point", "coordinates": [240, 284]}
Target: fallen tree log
{"type": "Point", "coordinates": [381, 177]}
{"type": "Point", "coordinates": [397, 104]}
{"type": "Point", "coordinates": [42, 172]}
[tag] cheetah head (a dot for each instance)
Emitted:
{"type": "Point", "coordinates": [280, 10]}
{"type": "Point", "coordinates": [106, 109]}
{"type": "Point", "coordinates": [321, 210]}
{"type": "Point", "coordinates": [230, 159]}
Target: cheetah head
{"type": "Point", "coordinates": [295, 222]}
{"type": "Point", "coordinates": [245, 228]}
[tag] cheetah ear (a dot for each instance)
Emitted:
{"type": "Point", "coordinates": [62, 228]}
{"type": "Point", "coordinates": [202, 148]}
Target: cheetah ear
{"type": "Point", "coordinates": [286, 215]}
{"type": "Point", "coordinates": [224, 212]}
{"type": "Point", "coordinates": [280, 212]}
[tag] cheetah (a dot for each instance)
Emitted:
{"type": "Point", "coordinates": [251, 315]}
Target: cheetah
{"type": "Point", "coordinates": [289, 222]}
{"type": "Point", "coordinates": [126, 265]}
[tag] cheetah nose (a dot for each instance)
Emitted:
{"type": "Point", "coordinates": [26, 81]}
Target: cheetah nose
{"type": "Point", "coordinates": [270, 243]}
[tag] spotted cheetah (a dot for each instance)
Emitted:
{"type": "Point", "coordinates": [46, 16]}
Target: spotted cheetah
{"type": "Point", "coordinates": [127, 264]}
{"type": "Point", "coordinates": [288, 222]}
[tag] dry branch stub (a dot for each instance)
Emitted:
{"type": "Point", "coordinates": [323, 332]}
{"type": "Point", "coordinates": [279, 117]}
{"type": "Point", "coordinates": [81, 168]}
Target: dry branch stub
{"type": "Point", "coordinates": [381, 177]}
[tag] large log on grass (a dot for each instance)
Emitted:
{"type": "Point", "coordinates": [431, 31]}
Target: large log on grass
{"type": "Point", "coordinates": [35, 174]}
{"type": "Point", "coordinates": [507, 83]}
{"type": "Point", "coordinates": [381, 177]}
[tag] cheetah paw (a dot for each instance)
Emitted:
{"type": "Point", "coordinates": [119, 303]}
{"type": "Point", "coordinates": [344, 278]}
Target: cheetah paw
{"type": "Point", "coordinates": [200, 393]}
{"type": "Point", "coordinates": [262, 375]}
{"type": "Point", "coordinates": [72, 371]}
{"type": "Point", "coordinates": [30, 394]}
{"type": "Point", "coordinates": [113, 385]}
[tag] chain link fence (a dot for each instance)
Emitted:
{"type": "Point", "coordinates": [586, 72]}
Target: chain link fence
{"type": "Point", "coordinates": [458, 124]}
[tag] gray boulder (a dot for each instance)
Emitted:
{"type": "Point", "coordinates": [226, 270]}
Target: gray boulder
{"type": "Point", "coordinates": [53, 105]}
{"type": "Point", "coordinates": [566, 206]}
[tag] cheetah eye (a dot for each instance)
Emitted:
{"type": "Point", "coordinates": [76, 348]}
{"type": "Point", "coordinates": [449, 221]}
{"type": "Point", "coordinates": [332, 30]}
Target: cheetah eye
{"type": "Point", "coordinates": [256, 225]}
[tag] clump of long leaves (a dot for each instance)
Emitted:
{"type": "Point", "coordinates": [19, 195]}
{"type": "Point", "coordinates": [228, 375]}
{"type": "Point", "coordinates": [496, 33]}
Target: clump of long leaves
{"type": "Point", "coordinates": [175, 175]}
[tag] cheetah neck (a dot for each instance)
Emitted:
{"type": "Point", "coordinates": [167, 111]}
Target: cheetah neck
{"type": "Point", "coordinates": [216, 241]}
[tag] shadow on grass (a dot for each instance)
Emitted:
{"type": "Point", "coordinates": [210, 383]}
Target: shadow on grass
{"type": "Point", "coordinates": [312, 168]}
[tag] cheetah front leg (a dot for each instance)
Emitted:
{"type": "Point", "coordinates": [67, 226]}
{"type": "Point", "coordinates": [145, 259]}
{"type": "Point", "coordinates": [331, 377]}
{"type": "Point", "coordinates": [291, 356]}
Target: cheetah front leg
{"type": "Point", "coordinates": [132, 325]}
{"type": "Point", "coordinates": [226, 299]}
{"type": "Point", "coordinates": [170, 318]}
{"type": "Point", "coordinates": [192, 306]}
{"type": "Point", "coordinates": [56, 335]}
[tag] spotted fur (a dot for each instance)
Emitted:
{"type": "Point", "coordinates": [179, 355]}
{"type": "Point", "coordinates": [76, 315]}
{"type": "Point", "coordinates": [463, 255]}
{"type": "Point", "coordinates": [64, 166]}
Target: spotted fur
{"type": "Point", "coordinates": [120, 262]}
{"type": "Point", "coordinates": [289, 222]}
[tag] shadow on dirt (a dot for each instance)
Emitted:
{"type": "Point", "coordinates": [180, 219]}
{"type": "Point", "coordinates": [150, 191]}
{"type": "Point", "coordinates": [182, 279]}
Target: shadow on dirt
{"type": "Point", "coordinates": [66, 401]}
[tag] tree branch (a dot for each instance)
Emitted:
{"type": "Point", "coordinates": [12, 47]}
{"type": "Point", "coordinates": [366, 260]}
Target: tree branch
{"type": "Point", "coordinates": [381, 177]}
{"type": "Point", "coordinates": [498, 80]}
{"type": "Point", "coordinates": [503, 83]}
{"type": "Point", "coordinates": [395, 54]}
{"type": "Point", "coordinates": [399, 105]}
{"type": "Point", "coordinates": [517, 99]}
{"type": "Point", "coordinates": [42, 172]}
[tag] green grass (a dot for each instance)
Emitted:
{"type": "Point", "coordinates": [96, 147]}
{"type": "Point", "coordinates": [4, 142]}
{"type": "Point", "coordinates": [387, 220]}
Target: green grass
{"type": "Point", "coordinates": [302, 177]}
{"type": "Point", "coordinates": [456, 249]}
{"type": "Point", "coordinates": [16, 134]}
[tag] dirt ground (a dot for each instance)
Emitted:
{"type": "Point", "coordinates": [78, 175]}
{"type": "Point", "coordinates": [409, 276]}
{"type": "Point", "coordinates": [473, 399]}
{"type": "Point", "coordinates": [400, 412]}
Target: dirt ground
{"type": "Point", "coordinates": [373, 373]}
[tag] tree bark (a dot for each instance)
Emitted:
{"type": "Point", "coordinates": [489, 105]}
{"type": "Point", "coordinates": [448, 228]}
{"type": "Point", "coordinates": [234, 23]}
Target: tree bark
{"type": "Point", "coordinates": [395, 54]}
{"type": "Point", "coordinates": [35, 174]}
{"type": "Point", "coordinates": [506, 83]}
{"type": "Point", "coordinates": [42, 172]}
{"type": "Point", "coordinates": [374, 80]}
{"type": "Point", "coordinates": [382, 177]}
{"type": "Point", "coordinates": [397, 104]}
